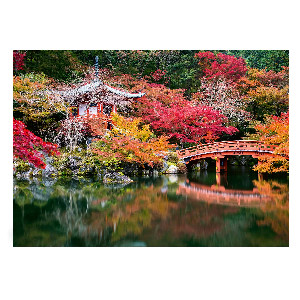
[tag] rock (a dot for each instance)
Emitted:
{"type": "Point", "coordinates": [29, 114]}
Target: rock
{"type": "Point", "coordinates": [24, 175]}
{"type": "Point", "coordinates": [165, 167]}
{"type": "Point", "coordinates": [48, 171]}
{"type": "Point", "coordinates": [74, 162]}
{"type": "Point", "coordinates": [116, 177]}
{"type": "Point", "coordinates": [172, 170]}
{"type": "Point", "coordinates": [36, 172]}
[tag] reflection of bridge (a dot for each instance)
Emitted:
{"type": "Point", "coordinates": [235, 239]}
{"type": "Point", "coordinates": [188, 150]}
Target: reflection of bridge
{"type": "Point", "coordinates": [220, 150]}
{"type": "Point", "coordinates": [220, 195]}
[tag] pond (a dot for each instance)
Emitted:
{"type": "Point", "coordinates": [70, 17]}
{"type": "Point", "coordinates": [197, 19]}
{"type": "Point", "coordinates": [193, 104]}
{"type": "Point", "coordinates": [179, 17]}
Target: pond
{"type": "Point", "coordinates": [197, 209]}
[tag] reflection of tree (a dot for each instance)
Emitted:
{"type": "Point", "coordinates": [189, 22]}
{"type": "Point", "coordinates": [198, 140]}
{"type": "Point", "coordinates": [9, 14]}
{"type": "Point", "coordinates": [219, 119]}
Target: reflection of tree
{"type": "Point", "coordinates": [193, 220]}
{"type": "Point", "coordinates": [22, 193]}
{"type": "Point", "coordinates": [130, 213]}
{"type": "Point", "coordinates": [138, 214]}
{"type": "Point", "coordinates": [62, 204]}
{"type": "Point", "coordinates": [279, 192]}
{"type": "Point", "coordinates": [276, 212]}
{"type": "Point", "coordinates": [91, 214]}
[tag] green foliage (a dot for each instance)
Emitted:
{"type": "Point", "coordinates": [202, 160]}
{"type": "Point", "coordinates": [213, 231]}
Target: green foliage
{"type": "Point", "coordinates": [181, 67]}
{"type": "Point", "coordinates": [34, 106]}
{"type": "Point", "coordinates": [21, 166]}
{"type": "Point", "coordinates": [57, 64]}
{"type": "Point", "coordinates": [172, 157]}
{"type": "Point", "coordinates": [263, 59]}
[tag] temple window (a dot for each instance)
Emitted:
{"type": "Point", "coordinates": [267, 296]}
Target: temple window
{"type": "Point", "coordinates": [107, 109]}
{"type": "Point", "coordinates": [93, 109]}
{"type": "Point", "coordinates": [82, 109]}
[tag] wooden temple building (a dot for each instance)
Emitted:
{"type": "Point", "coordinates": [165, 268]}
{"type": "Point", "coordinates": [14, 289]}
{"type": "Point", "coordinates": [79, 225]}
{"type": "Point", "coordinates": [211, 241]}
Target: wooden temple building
{"type": "Point", "coordinates": [97, 100]}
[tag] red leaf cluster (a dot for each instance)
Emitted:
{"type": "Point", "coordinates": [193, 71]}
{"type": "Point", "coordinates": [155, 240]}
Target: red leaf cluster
{"type": "Point", "coordinates": [27, 146]}
{"type": "Point", "coordinates": [18, 60]}
{"type": "Point", "coordinates": [221, 65]}
{"type": "Point", "coordinates": [187, 123]}
{"type": "Point", "coordinates": [158, 74]}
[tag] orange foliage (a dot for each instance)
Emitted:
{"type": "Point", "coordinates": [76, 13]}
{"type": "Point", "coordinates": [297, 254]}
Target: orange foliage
{"type": "Point", "coordinates": [276, 212]}
{"type": "Point", "coordinates": [275, 132]}
{"type": "Point", "coordinates": [266, 92]}
{"type": "Point", "coordinates": [130, 142]}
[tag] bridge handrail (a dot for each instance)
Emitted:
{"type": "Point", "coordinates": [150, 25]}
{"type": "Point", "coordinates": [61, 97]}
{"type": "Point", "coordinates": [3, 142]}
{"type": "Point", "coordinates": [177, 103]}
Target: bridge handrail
{"type": "Point", "coordinates": [226, 145]}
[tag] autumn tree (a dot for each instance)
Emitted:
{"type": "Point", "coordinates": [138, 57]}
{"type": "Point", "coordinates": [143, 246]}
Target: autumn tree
{"type": "Point", "coordinates": [223, 96]}
{"type": "Point", "coordinates": [219, 74]}
{"type": "Point", "coordinates": [187, 123]}
{"type": "Point", "coordinates": [130, 141]}
{"type": "Point", "coordinates": [37, 105]}
{"type": "Point", "coordinates": [274, 132]}
{"type": "Point", "coordinates": [221, 65]}
{"type": "Point", "coordinates": [29, 147]}
{"type": "Point", "coordinates": [18, 60]}
{"type": "Point", "coordinates": [265, 92]}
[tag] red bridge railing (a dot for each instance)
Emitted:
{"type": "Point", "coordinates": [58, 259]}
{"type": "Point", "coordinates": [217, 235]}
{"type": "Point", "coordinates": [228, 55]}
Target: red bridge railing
{"type": "Point", "coordinates": [226, 148]}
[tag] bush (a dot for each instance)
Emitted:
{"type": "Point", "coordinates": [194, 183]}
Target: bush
{"type": "Point", "coordinates": [172, 158]}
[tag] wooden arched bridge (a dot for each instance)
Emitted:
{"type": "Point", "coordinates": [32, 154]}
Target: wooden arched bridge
{"type": "Point", "coordinates": [220, 151]}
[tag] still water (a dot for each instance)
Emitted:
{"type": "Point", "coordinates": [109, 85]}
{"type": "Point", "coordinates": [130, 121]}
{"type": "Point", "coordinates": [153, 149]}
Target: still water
{"type": "Point", "coordinates": [197, 209]}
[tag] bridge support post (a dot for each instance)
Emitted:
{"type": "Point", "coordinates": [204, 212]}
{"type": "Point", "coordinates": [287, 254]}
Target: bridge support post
{"type": "Point", "coordinates": [221, 179]}
{"type": "Point", "coordinates": [260, 176]}
{"type": "Point", "coordinates": [221, 164]}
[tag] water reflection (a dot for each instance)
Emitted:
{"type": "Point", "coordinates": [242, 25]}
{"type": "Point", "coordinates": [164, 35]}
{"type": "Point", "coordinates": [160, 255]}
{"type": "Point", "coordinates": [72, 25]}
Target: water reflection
{"type": "Point", "coordinates": [165, 211]}
{"type": "Point", "coordinates": [221, 195]}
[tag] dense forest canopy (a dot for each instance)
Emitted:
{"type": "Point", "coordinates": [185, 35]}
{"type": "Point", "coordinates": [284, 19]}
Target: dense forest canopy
{"type": "Point", "coordinates": [181, 65]}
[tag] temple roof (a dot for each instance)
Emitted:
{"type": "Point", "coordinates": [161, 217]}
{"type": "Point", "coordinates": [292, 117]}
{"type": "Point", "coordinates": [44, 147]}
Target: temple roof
{"type": "Point", "coordinates": [93, 87]}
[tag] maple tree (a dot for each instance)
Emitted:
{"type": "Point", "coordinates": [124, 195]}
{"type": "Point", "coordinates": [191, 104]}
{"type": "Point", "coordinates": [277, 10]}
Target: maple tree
{"type": "Point", "coordinates": [221, 65]}
{"type": "Point", "coordinates": [270, 78]}
{"type": "Point", "coordinates": [154, 91]}
{"type": "Point", "coordinates": [29, 147]}
{"type": "Point", "coordinates": [262, 78]}
{"type": "Point", "coordinates": [131, 142]}
{"type": "Point", "coordinates": [36, 105]}
{"type": "Point", "coordinates": [187, 123]}
{"type": "Point", "coordinates": [18, 60]}
{"type": "Point", "coordinates": [265, 92]}
{"type": "Point", "coordinates": [274, 132]}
